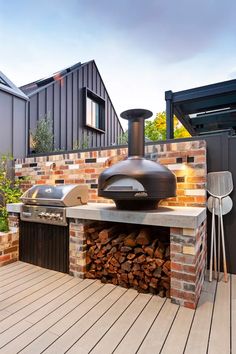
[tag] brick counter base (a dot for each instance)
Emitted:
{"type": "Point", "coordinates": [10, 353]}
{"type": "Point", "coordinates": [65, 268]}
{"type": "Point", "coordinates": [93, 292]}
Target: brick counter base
{"type": "Point", "coordinates": [188, 249]}
{"type": "Point", "coordinates": [9, 242]}
{"type": "Point", "coordinates": [188, 260]}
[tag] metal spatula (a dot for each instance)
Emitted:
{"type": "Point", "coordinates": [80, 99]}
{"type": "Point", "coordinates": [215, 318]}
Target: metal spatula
{"type": "Point", "coordinates": [227, 205]}
{"type": "Point", "coordinates": [220, 185]}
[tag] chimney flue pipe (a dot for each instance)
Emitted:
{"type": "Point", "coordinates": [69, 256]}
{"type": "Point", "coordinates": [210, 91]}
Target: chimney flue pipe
{"type": "Point", "coordinates": [136, 130]}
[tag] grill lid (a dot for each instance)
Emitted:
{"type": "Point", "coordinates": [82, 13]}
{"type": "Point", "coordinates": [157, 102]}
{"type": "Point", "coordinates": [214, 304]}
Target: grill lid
{"type": "Point", "coordinates": [56, 195]}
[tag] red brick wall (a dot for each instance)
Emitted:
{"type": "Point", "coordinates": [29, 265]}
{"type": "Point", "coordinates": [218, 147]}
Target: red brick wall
{"type": "Point", "coordinates": [186, 159]}
{"type": "Point", "coordinates": [9, 242]}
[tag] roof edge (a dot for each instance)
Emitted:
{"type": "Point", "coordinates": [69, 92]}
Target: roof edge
{"type": "Point", "coordinates": [12, 88]}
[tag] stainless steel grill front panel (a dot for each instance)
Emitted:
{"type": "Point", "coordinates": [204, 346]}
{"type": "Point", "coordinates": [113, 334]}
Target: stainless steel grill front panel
{"type": "Point", "coordinates": [44, 214]}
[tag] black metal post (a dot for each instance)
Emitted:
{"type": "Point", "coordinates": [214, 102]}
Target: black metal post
{"type": "Point", "coordinates": [169, 116]}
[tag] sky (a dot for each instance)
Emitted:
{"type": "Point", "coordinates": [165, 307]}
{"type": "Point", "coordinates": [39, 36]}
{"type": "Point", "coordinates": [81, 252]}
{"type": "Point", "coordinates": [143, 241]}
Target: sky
{"type": "Point", "coordinates": [142, 47]}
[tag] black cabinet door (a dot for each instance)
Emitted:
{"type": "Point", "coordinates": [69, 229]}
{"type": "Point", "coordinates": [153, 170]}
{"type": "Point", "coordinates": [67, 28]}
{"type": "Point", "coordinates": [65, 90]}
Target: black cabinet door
{"type": "Point", "coordinates": [45, 245]}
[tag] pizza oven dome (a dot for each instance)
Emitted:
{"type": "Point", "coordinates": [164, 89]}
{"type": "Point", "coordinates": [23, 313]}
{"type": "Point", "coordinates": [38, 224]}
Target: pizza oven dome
{"type": "Point", "coordinates": [136, 183]}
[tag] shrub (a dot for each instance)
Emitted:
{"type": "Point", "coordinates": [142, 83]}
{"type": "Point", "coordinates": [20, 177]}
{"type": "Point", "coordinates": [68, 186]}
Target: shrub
{"type": "Point", "coordinates": [9, 190]}
{"type": "Point", "coordinates": [42, 138]}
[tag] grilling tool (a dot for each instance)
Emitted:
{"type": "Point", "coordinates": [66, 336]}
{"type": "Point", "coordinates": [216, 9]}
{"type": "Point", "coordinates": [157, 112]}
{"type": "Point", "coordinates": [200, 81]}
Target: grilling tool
{"type": "Point", "coordinates": [213, 207]}
{"type": "Point", "coordinates": [220, 185]}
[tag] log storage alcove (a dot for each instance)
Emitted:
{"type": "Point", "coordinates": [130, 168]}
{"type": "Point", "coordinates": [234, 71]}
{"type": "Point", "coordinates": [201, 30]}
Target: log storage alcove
{"type": "Point", "coordinates": [162, 251]}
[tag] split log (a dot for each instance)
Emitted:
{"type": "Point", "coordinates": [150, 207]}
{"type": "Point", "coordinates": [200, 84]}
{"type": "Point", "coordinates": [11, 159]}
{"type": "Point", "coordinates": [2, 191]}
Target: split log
{"type": "Point", "coordinates": [114, 262]}
{"type": "Point", "coordinates": [105, 234]}
{"type": "Point", "coordinates": [126, 266]}
{"type": "Point", "coordinates": [159, 253]}
{"type": "Point", "coordinates": [125, 249]}
{"type": "Point", "coordinates": [136, 267]}
{"type": "Point", "coordinates": [131, 256]}
{"type": "Point", "coordinates": [144, 237]}
{"type": "Point", "coordinates": [118, 240]}
{"type": "Point", "coordinates": [130, 240]}
{"type": "Point", "coordinates": [118, 258]}
{"type": "Point", "coordinates": [96, 228]}
{"type": "Point", "coordinates": [138, 250]}
{"type": "Point", "coordinates": [143, 285]}
{"type": "Point", "coordinates": [141, 258]}
{"type": "Point", "coordinates": [151, 248]}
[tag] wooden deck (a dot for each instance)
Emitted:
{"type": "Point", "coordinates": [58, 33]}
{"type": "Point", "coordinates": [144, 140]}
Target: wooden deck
{"type": "Point", "coordinates": [42, 311]}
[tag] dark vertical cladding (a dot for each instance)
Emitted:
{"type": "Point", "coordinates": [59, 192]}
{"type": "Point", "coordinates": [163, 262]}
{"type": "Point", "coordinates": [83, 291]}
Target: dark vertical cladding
{"type": "Point", "coordinates": [62, 101]}
{"type": "Point", "coordinates": [69, 108]}
{"type": "Point", "coordinates": [75, 107]}
{"type": "Point", "coordinates": [44, 245]}
{"type": "Point", "coordinates": [63, 86]}
{"type": "Point", "coordinates": [56, 114]}
{"type": "Point", "coordinates": [42, 104]}
{"type": "Point", "coordinates": [13, 122]}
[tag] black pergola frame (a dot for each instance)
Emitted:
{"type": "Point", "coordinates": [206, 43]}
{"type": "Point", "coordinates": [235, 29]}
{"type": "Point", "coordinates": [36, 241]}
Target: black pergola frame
{"type": "Point", "coordinates": [215, 106]}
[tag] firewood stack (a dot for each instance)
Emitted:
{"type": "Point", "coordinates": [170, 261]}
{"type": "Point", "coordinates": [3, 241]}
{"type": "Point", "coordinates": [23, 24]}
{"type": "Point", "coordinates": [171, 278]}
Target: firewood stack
{"type": "Point", "coordinates": [130, 256]}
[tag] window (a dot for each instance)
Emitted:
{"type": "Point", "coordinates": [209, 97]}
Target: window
{"type": "Point", "coordinates": [92, 113]}
{"type": "Point", "coordinates": [95, 111]}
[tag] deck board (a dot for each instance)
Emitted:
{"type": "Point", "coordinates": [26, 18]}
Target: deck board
{"type": "Point", "coordinates": [116, 333]}
{"type": "Point", "coordinates": [233, 312]}
{"type": "Point", "coordinates": [87, 316]}
{"type": "Point", "coordinates": [198, 337]}
{"type": "Point", "coordinates": [50, 312]}
{"type": "Point", "coordinates": [86, 342]}
{"type": "Point", "coordinates": [158, 332]}
{"type": "Point", "coordinates": [20, 310]}
{"type": "Point", "coordinates": [16, 268]}
{"type": "Point", "coordinates": [219, 341]}
{"type": "Point", "coordinates": [138, 331]}
{"type": "Point", "coordinates": [179, 331]}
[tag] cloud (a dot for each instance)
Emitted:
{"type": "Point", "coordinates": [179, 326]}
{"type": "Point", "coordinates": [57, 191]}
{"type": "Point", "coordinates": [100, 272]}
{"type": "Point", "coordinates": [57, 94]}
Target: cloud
{"type": "Point", "coordinates": [172, 30]}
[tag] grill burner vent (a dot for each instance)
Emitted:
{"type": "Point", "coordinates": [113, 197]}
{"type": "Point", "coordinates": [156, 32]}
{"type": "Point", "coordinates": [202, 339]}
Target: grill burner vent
{"type": "Point", "coordinates": [136, 183]}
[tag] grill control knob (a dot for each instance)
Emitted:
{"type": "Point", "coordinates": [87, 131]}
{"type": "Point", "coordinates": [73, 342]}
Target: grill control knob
{"type": "Point", "coordinates": [41, 215]}
{"type": "Point", "coordinates": [47, 216]}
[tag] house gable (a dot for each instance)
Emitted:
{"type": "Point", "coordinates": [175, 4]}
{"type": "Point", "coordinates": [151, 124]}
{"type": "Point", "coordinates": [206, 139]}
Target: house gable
{"type": "Point", "coordinates": [62, 98]}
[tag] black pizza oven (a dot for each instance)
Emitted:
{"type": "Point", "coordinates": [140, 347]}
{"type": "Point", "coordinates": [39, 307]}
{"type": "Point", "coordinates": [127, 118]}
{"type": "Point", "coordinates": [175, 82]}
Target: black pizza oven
{"type": "Point", "coordinates": [136, 183]}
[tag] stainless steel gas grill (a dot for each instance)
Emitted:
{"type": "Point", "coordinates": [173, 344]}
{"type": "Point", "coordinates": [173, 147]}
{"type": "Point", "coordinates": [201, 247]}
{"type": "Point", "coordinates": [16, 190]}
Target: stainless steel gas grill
{"type": "Point", "coordinates": [46, 203]}
{"type": "Point", "coordinates": [44, 230]}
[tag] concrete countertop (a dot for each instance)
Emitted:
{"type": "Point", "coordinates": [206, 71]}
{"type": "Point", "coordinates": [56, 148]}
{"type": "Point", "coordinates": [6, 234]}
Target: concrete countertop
{"type": "Point", "coordinates": [184, 217]}
{"type": "Point", "coordinates": [14, 207]}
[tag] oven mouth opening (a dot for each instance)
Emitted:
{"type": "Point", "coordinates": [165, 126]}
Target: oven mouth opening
{"type": "Point", "coordinates": [123, 184]}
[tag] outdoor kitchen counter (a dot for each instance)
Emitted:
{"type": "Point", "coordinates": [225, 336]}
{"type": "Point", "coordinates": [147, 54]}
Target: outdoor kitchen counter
{"type": "Point", "coordinates": [182, 217]}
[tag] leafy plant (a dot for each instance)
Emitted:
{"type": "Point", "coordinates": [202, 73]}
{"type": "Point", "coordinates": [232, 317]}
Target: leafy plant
{"type": "Point", "coordinates": [42, 138]}
{"type": "Point", "coordinates": [156, 129]}
{"type": "Point", "coordinates": [76, 145]}
{"type": "Point", "coordinates": [9, 190]}
{"type": "Point", "coordinates": [85, 142]}
{"type": "Point", "coordinates": [123, 139]}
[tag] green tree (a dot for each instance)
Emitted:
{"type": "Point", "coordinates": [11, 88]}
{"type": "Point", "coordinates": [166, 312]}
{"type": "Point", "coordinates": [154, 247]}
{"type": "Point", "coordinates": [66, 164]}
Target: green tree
{"type": "Point", "coordinates": [42, 138]}
{"type": "Point", "coordinates": [156, 129]}
{"type": "Point", "coordinates": [9, 190]}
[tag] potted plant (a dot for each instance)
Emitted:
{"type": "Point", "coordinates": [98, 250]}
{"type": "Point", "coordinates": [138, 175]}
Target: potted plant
{"type": "Point", "coordinates": [9, 190]}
